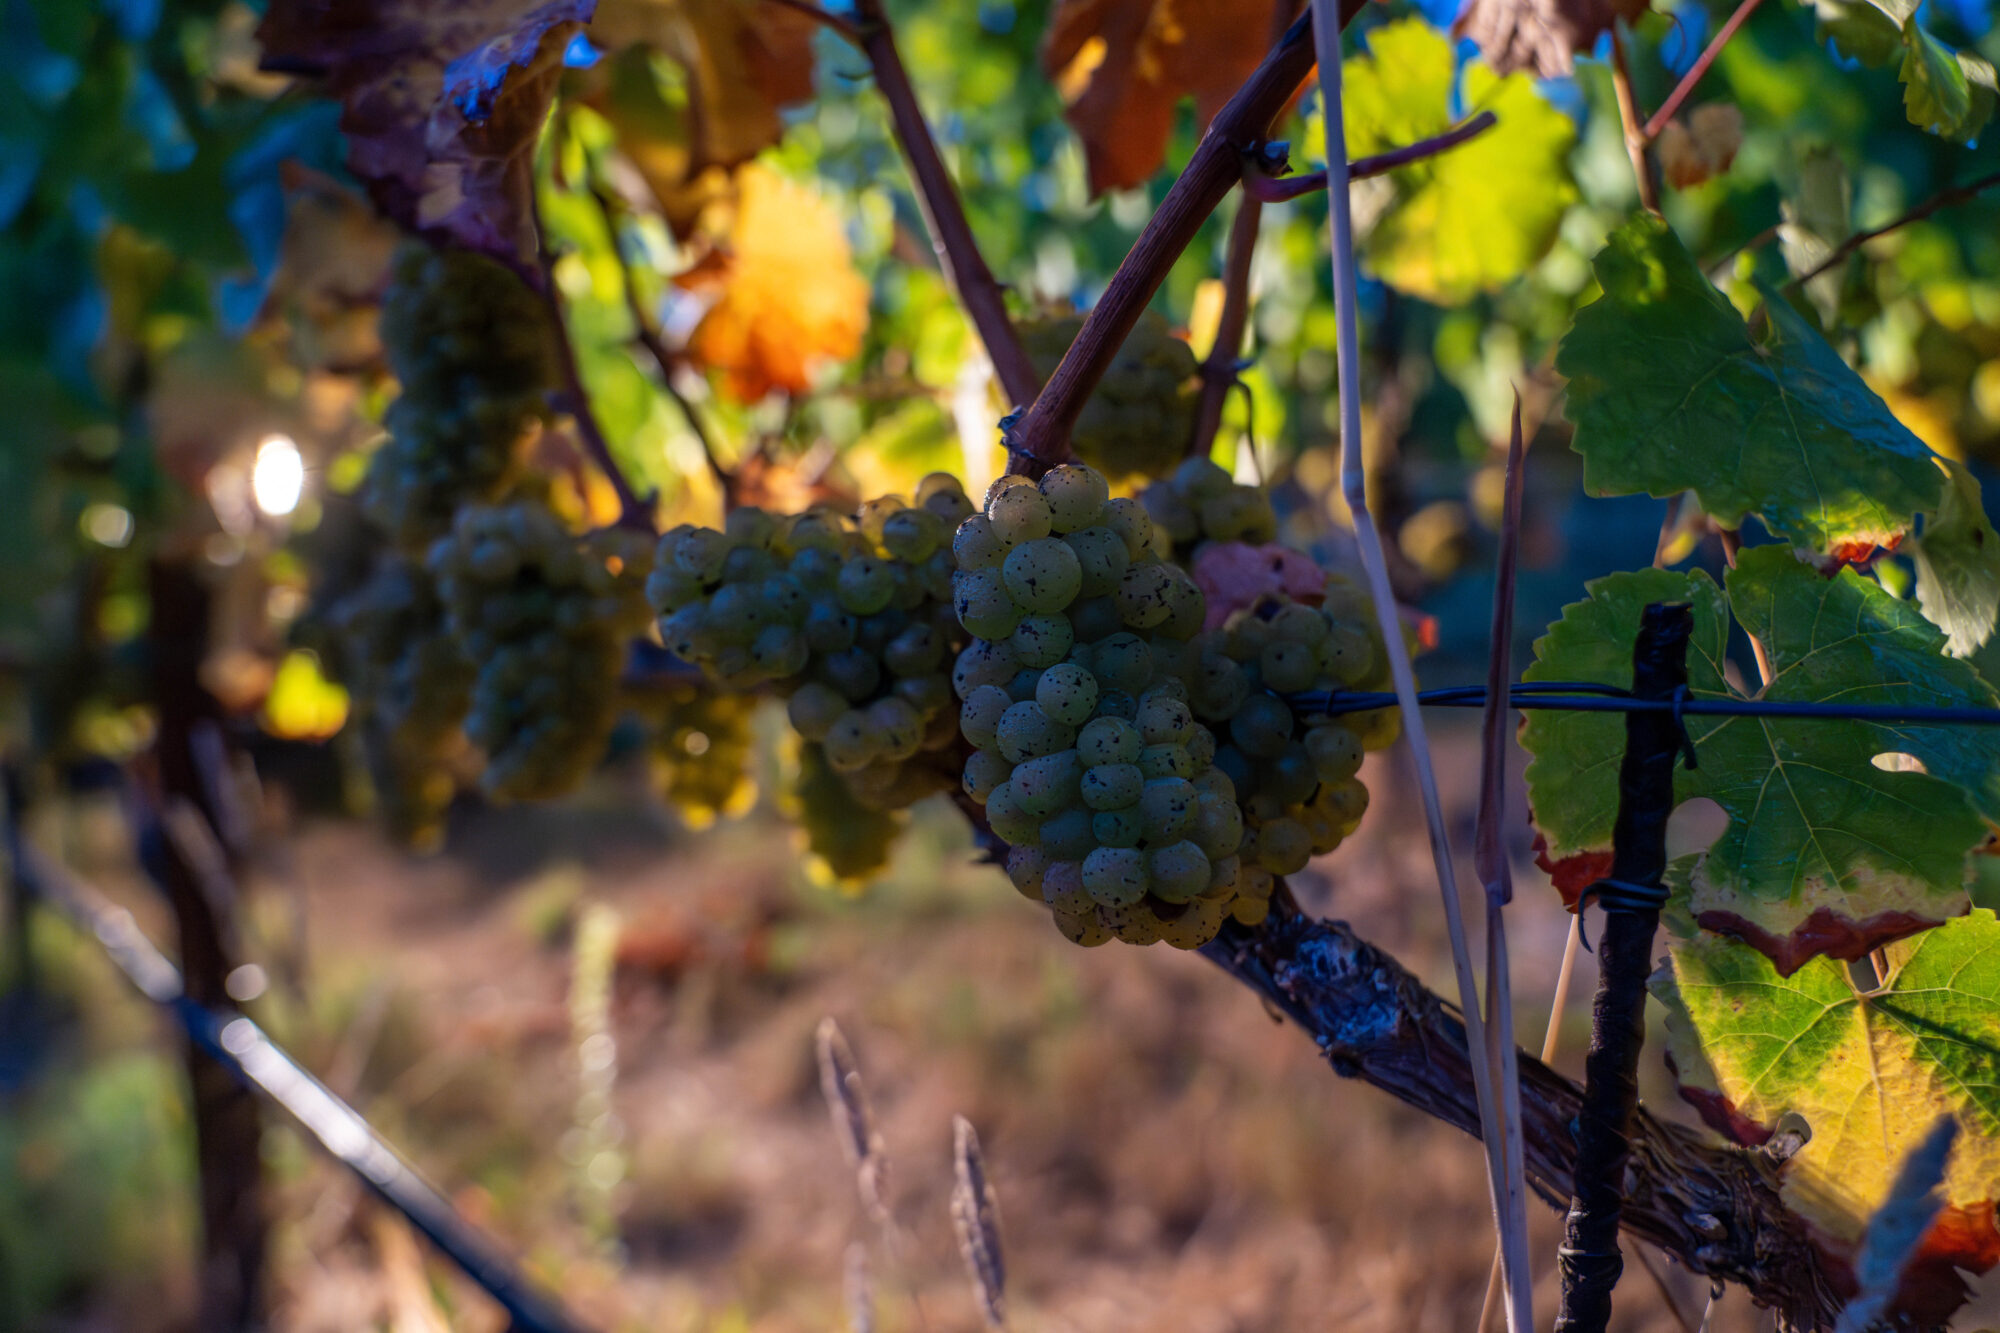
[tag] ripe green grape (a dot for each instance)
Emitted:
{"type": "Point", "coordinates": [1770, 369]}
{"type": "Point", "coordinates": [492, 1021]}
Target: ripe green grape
{"type": "Point", "coordinates": [703, 745]}
{"type": "Point", "coordinates": [469, 344]}
{"type": "Point", "coordinates": [1087, 753]}
{"type": "Point", "coordinates": [546, 616]}
{"type": "Point", "coordinates": [1136, 422]}
{"type": "Point", "coordinates": [1200, 502]}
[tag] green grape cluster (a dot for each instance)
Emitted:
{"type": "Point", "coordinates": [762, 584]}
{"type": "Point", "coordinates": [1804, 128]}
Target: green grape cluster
{"type": "Point", "coordinates": [847, 840]}
{"type": "Point", "coordinates": [546, 616]}
{"type": "Point", "coordinates": [849, 616]}
{"type": "Point", "coordinates": [411, 687]}
{"type": "Point", "coordinates": [703, 745]}
{"type": "Point", "coordinates": [1200, 502]}
{"type": "Point", "coordinates": [1296, 777]}
{"type": "Point", "coordinates": [469, 343]}
{"type": "Point", "coordinates": [1088, 759]}
{"type": "Point", "coordinates": [1136, 422]}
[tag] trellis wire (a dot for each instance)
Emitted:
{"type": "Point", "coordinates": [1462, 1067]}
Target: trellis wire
{"type": "Point", "coordinates": [1586, 697]}
{"type": "Point", "coordinates": [243, 1047]}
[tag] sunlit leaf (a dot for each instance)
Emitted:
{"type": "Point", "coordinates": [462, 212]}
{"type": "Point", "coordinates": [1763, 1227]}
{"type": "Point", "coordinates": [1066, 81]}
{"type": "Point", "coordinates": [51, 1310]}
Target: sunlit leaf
{"type": "Point", "coordinates": [787, 295]}
{"type": "Point", "coordinates": [1670, 391]}
{"type": "Point", "coordinates": [1869, 1071]}
{"type": "Point", "coordinates": [1825, 852]}
{"type": "Point", "coordinates": [1477, 216]}
{"type": "Point", "coordinates": [441, 104]}
{"type": "Point", "coordinates": [1123, 66]}
{"type": "Point", "coordinates": [1958, 565]}
{"type": "Point", "coordinates": [303, 705]}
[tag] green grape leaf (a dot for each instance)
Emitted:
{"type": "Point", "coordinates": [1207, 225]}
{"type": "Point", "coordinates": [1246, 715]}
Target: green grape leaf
{"type": "Point", "coordinates": [1472, 219]}
{"type": "Point", "coordinates": [1869, 1071]}
{"type": "Point", "coordinates": [1958, 565]}
{"type": "Point", "coordinates": [1860, 30]}
{"type": "Point", "coordinates": [1669, 391]}
{"type": "Point", "coordinates": [1826, 852]}
{"type": "Point", "coordinates": [442, 104]}
{"type": "Point", "coordinates": [1945, 91]}
{"type": "Point", "coordinates": [1573, 768]}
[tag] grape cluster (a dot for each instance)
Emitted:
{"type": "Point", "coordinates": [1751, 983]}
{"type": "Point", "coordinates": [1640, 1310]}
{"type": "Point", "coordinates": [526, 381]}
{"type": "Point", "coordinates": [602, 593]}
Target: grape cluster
{"type": "Point", "coordinates": [411, 688]}
{"type": "Point", "coordinates": [545, 615]}
{"type": "Point", "coordinates": [1088, 759]}
{"type": "Point", "coordinates": [1200, 502]}
{"type": "Point", "coordinates": [1295, 776]}
{"type": "Point", "coordinates": [847, 840]}
{"type": "Point", "coordinates": [848, 616]}
{"type": "Point", "coordinates": [703, 745]}
{"type": "Point", "coordinates": [469, 343]}
{"type": "Point", "coordinates": [1136, 422]}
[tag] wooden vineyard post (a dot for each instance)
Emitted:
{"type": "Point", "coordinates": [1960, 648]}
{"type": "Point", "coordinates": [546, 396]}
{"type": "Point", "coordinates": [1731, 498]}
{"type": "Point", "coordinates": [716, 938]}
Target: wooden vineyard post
{"type": "Point", "coordinates": [1631, 897]}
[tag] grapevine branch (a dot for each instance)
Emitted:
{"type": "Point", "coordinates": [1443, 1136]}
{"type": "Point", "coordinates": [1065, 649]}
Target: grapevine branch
{"type": "Point", "coordinates": [1040, 438]}
{"type": "Point", "coordinates": [1269, 188]}
{"type": "Point", "coordinates": [1218, 372]}
{"type": "Point", "coordinates": [978, 291]}
{"type": "Point", "coordinates": [1946, 198]}
{"type": "Point", "coordinates": [1635, 133]}
{"type": "Point", "coordinates": [1715, 1208]}
{"type": "Point", "coordinates": [632, 511]}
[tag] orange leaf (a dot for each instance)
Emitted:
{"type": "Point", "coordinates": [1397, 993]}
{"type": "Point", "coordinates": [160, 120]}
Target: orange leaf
{"type": "Point", "coordinates": [1122, 67]}
{"type": "Point", "coordinates": [789, 297]}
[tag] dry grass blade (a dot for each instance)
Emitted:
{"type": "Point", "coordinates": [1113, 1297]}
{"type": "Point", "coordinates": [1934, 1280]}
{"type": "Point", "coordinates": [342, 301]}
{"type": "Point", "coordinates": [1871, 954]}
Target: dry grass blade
{"type": "Point", "coordinates": [1326, 38]}
{"type": "Point", "coordinates": [858, 1286]}
{"type": "Point", "coordinates": [1490, 859]}
{"type": "Point", "coordinates": [975, 1215]}
{"type": "Point", "coordinates": [853, 1122]}
{"type": "Point", "coordinates": [1898, 1227]}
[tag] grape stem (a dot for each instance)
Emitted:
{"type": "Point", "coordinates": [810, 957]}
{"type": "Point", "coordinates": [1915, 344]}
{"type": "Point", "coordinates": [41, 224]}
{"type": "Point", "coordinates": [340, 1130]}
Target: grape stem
{"type": "Point", "coordinates": [1039, 439]}
{"type": "Point", "coordinates": [1946, 198]}
{"type": "Point", "coordinates": [1636, 139]}
{"type": "Point", "coordinates": [633, 512]}
{"type": "Point", "coordinates": [979, 292]}
{"type": "Point", "coordinates": [663, 356]}
{"type": "Point", "coordinates": [1658, 120]}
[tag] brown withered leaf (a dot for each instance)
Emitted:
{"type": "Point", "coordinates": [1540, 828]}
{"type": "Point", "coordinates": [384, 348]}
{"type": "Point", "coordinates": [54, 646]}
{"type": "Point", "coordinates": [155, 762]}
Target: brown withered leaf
{"type": "Point", "coordinates": [441, 104]}
{"type": "Point", "coordinates": [1540, 35]}
{"type": "Point", "coordinates": [1123, 65]}
{"type": "Point", "coordinates": [744, 60]}
{"type": "Point", "coordinates": [1702, 146]}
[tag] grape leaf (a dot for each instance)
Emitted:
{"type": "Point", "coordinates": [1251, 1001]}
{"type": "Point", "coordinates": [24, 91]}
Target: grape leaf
{"type": "Point", "coordinates": [1540, 35]}
{"type": "Point", "coordinates": [1869, 1071]}
{"type": "Point", "coordinates": [1958, 565]}
{"type": "Point", "coordinates": [1669, 392]}
{"type": "Point", "coordinates": [1122, 67]}
{"type": "Point", "coordinates": [441, 104]}
{"type": "Point", "coordinates": [744, 61]}
{"type": "Point", "coordinates": [787, 294]}
{"type": "Point", "coordinates": [1474, 218]}
{"type": "Point", "coordinates": [1946, 91]}
{"type": "Point", "coordinates": [1824, 853]}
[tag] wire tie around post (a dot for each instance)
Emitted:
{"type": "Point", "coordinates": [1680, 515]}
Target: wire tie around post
{"type": "Point", "coordinates": [1619, 895]}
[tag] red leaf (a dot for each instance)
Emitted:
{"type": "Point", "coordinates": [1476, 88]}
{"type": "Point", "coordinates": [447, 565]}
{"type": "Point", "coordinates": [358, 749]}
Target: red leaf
{"type": "Point", "coordinates": [441, 104]}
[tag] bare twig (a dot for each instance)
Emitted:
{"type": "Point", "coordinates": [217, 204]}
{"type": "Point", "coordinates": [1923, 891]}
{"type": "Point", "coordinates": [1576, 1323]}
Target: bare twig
{"type": "Point", "coordinates": [1218, 372]}
{"type": "Point", "coordinates": [1635, 133]}
{"type": "Point", "coordinates": [1490, 858]}
{"type": "Point", "coordinates": [951, 235]}
{"type": "Point", "coordinates": [1353, 480]}
{"type": "Point", "coordinates": [1681, 90]}
{"type": "Point", "coordinates": [1946, 198]}
{"type": "Point", "coordinates": [1270, 189]}
{"type": "Point", "coordinates": [1040, 439]}
{"type": "Point", "coordinates": [632, 511]}
{"type": "Point", "coordinates": [663, 356]}
{"type": "Point", "coordinates": [853, 1121]}
{"type": "Point", "coordinates": [824, 18]}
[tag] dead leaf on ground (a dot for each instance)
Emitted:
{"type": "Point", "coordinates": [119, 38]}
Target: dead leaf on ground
{"type": "Point", "coordinates": [1542, 35]}
{"type": "Point", "coordinates": [1122, 67]}
{"type": "Point", "coordinates": [441, 104]}
{"type": "Point", "coordinates": [787, 294]}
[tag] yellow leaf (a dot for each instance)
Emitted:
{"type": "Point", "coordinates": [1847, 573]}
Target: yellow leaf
{"type": "Point", "coordinates": [788, 295]}
{"type": "Point", "coordinates": [303, 704]}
